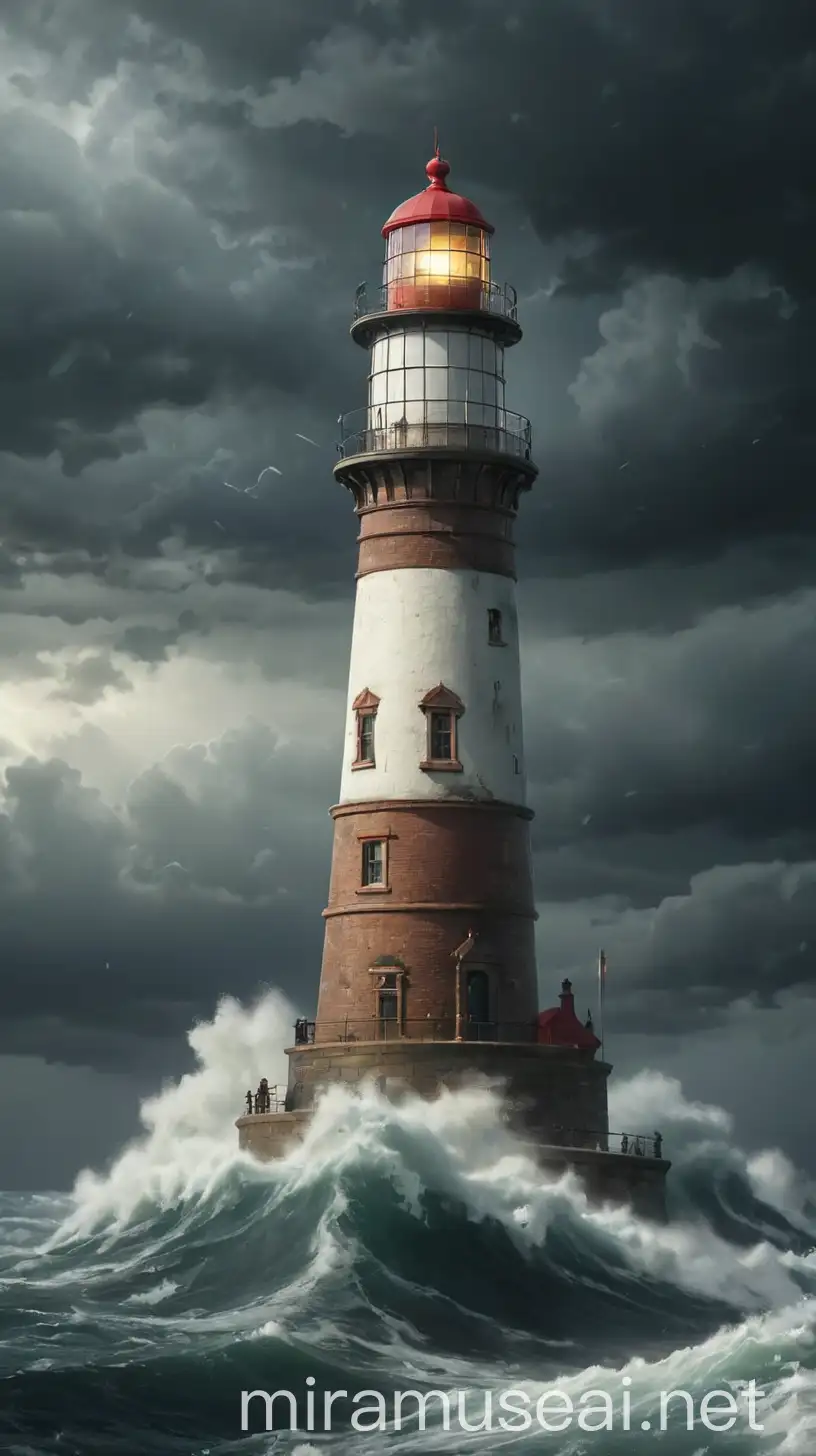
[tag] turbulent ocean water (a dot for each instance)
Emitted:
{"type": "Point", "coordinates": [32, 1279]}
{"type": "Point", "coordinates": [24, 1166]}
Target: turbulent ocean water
{"type": "Point", "coordinates": [409, 1247]}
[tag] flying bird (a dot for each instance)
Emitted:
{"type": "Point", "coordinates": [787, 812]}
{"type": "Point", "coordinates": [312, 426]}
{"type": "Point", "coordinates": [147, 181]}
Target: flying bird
{"type": "Point", "coordinates": [265, 470]}
{"type": "Point", "coordinates": [233, 487]}
{"type": "Point", "coordinates": [307, 438]}
{"type": "Point", "coordinates": [218, 524]}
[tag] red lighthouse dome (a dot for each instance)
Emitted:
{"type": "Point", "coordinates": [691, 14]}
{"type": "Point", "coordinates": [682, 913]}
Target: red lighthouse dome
{"type": "Point", "coordinates": [437, 248]}
{"type": "Point", "coordinates": [437, 203]}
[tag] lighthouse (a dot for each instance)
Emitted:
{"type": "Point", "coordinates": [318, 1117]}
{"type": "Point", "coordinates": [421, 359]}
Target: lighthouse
{"type": "Point", "coordinates": [431, 831]}
{"type": "Point", "coordinates": [428, 976]}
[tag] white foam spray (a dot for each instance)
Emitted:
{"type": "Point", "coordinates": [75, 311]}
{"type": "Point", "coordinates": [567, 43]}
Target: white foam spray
{"type": "Point", "coordinates": [457, 1144]}
{"type": "Point", "coordinates": [189, 1136]}
{"type": "Point", "coordinates": [651, 1098]}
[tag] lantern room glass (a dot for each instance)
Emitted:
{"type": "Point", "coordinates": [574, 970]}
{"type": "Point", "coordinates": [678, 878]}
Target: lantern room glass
{"type": "Point", "coordinates": [437, 265]}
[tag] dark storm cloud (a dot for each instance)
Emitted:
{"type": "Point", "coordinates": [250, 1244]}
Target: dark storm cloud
{"type": "Point", "coordinates": [138, 331]}
{"type": "Point", "coordinates": [735, 939]}
{"type": "Point", "coordinates": [10, 573]}
{"type": "Point", "coordinates": [120, 926]}
{"type": "Point", "coordinates": [742, 932]}
{"type": "Point", "coordinates": [87, 680]}
{"type": "Point", "coordinates": [666, 734]}
{"type": "Point", "coordinates": [152, 644]}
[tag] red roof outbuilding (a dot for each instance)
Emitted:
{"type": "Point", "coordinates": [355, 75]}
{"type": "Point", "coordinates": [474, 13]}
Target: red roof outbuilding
{"type": "Point", "coordinates": [559, 1025]}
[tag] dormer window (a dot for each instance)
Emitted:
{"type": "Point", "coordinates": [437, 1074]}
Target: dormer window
{"type": "Point", "coordinates": [365, 738]}
{"type": "Point", "coordinates": [442, 709]}
{"type": "Point", "coordinates": [441, 733]}
{"type": "Point", "coordinates": [365, 707]}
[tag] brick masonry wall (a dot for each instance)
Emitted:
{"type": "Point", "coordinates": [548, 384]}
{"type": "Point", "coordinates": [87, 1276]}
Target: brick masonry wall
{"type": "Point", "coordinates": [441, 852]}
{"type": "Point", "coordinates": [436, 534]}
{"type": "Point", "coordinates": [547, 1088]}
{"type": "Point", "coordinates": [452, 868]}
{"type": "Point", "coordinates": [441, 478]}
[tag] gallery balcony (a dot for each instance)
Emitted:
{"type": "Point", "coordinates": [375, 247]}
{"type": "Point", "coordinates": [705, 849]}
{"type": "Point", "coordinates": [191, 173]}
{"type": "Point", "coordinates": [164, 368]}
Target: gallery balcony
{"type": "Point", "coordinates": [276, 1100]}
{"type": "Point", "coordinates": [386, 1028]}
{"type": "Point", "coordinates": [507, 434]}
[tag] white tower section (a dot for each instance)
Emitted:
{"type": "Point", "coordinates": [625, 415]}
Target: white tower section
{"type": "Point", "coordinates": [417, 628]}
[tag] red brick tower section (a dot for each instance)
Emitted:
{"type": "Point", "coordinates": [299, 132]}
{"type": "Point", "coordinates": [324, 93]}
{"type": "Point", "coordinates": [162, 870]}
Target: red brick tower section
{"type": "Point", "coordinates": [430, 919]}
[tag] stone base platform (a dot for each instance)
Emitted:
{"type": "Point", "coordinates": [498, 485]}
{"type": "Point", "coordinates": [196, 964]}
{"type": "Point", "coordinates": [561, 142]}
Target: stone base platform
{"type": "Point", "coordinates": [268, 1135]}
{"type": "Point", "coordinates": [607, 1177]}
{"type": "Point", "coordinates": [547, 1091]}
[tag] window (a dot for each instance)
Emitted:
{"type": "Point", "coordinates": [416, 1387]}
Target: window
{"type": "Point", "coordinates": [373, 862]}
{"type": "Point", "coordinates": [516, 765]}
{"type": "Point", "coordinates": [494, 627]}
{"type": "Point", "coordinates": [365, 707]}
{"type": "Point", "coordinates": [431, 376]}
{"type": "Point", "coordinates": [439, 250]}
{"type": "Point", "coordinates": [442, 709]}
{"type": "Point", "coordinates": [365, 738]}
{"type": "Point", "coordinates": [441, 735]}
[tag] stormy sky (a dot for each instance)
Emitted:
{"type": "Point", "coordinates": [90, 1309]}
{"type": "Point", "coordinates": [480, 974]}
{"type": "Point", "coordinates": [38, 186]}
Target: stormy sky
{"type": "Point", "coordinates": [190, 193]}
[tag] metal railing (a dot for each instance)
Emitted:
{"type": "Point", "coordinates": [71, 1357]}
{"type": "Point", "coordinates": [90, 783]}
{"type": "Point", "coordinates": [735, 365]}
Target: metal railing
{"type": "Point", "coordinates": [466, 295]}
{"type": "Point", "coordinates": [511, 435]}
{"type": "Point", "coordinates": [385, 1028]}
{"type": "Point", "coordinates": [271, 1099]}
{"type": "Point", "coordinates": [620, 1144]}
{"type": "Point", "coordinates": [617, 1144]}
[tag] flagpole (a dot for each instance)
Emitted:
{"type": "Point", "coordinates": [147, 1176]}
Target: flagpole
{"type": "Point", "coordinates": [601, 994]}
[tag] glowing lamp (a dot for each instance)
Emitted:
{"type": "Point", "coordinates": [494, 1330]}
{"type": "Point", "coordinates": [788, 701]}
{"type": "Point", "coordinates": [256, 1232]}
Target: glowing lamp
{"type": "Point", "coordinates": [437, 249]}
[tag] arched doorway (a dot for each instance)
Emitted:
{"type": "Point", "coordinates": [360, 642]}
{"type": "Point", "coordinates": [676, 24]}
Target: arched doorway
{"type": "Point", "coordinates": [477, 1001]}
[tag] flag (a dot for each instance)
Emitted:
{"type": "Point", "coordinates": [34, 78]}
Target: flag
{"type": "Point", "coordinates": [601, 993]}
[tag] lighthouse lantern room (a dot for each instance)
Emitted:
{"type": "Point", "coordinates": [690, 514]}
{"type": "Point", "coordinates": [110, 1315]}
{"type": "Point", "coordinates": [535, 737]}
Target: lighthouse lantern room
{"type": "Point", "coordinates": [437, 333]}
{"type": "Point", "coordinates": [437, 248]}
